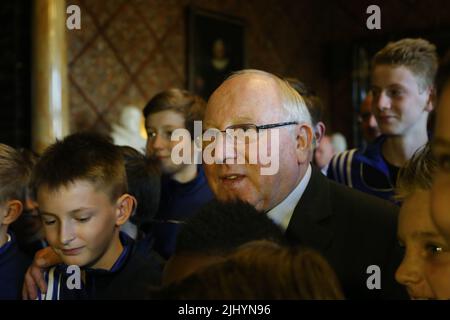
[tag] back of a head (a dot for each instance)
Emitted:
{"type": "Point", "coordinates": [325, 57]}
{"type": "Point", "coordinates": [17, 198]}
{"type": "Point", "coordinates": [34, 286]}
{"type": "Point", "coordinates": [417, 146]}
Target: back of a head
{"type": "Point", "coordinates": [144, 183]}
{"type": "Point", "coordinates": [15, 173]}
{"type": "Point", "coordinates": [261, 270]}
{"type": "Point", "coordinates": [82, 156]}
{"type": "Point", "coordinates": [191, 106]}
{"type": "Point", "coordinates": [418, 55]}
{"type": "Point", "coordinates": [288, 272]}
{"type": "Point", "coordinates": [219, 228]}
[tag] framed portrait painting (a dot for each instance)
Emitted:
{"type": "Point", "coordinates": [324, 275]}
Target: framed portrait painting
{"type": "Point", "coordinates": [216, 47]}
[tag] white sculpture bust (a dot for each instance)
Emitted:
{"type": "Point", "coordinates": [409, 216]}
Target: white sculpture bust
{"type": "Point", "coordinates": [127, 132]}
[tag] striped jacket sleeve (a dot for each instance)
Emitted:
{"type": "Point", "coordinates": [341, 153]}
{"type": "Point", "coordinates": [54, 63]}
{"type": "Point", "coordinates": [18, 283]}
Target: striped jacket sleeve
{"type": "Point", "coordinates": [53, 280]}
{"type": "Point", "coordinates": [340, 168]}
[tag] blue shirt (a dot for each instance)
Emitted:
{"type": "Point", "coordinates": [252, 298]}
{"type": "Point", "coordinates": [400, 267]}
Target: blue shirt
{"type": "Point", "coordinates": [129, 277]}
{"type": "Point", "coordinates": [179, 202]}
{"type": "Point", "coordinates": [365, 170]}
{"type": "Point", "coordinates": [13, 265]}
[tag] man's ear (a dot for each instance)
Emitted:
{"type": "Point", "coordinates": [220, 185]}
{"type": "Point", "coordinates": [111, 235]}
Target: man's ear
{"type": "Point", "coordinates": [304, 137]}
{"type": "Point", "coordinates": [124, 208]}
{"type": "Point", "coordinates": [13, 210]}
{"type": "Point", "coordinates": [431, 99]}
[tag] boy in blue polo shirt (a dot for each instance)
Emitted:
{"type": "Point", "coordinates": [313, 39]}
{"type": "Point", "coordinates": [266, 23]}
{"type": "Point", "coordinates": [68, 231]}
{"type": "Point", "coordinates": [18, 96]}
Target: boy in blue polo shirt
{"type": "Point", "coordinates": [14, 178]}
{"type": "Point", "coordinates": [402, 79]}
{"type": "Point", "coordinates": [83, 201]}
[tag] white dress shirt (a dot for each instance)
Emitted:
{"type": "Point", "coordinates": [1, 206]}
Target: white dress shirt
{"type": "Point", "coordinates": [282, 213]}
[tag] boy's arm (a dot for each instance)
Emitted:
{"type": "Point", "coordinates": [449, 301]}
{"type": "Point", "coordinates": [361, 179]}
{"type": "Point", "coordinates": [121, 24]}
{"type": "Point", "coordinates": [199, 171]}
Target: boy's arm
{"type": "Point", "coordinates": [34, 277]}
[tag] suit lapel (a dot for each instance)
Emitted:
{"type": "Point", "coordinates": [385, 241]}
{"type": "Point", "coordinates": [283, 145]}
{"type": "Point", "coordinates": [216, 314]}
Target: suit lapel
{"type": "Point", "coordinates": [308, 225]}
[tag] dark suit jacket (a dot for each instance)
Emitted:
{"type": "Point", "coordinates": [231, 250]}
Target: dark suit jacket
{"type": "Point", "coordinates": [352, 230]}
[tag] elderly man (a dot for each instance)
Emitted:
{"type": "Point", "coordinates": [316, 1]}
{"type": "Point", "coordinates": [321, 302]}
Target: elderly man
{"type": "Point", "coordinates": [354, 231]}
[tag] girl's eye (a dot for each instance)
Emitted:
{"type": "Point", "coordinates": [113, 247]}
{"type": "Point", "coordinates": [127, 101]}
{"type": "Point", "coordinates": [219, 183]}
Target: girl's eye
{"type": "Point", "coordinates": [83, 219]}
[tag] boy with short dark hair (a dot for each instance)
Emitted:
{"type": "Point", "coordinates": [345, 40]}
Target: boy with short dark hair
{"type": "Point", "coordinates": [403, 91]}
{"type": "Point", "coordinates": [82, 194]}
{"type": "Point", "coordinates": [14, 178]}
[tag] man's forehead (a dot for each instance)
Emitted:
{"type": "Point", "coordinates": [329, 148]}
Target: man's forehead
{"type": "Point", "coordinates": [243, 98]}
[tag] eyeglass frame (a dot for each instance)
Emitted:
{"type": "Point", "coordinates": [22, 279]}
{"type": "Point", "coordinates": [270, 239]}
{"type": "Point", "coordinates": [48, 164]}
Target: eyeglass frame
{"type": "Point", "coordinates": [258, 128]}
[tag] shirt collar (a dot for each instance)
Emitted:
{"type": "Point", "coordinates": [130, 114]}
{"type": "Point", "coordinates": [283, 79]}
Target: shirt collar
{"type": "Point", "coordinates": [282, 213]}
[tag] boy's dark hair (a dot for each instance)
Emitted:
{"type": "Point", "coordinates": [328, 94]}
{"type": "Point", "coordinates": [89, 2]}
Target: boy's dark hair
{"type": "Point", "coordinates": [144, 183]}
{"type": "Point", "coordinates": [15, 173]}
{"type": "Point", "coordinates": [312, 100]}
{"type": "Point", "coordinates": [191, 106]}
{"type": "Point", "coordinates": [82, 156]}
{"type": "Point", "coordinates": [219, 228]}
{"type": "Point", "coordinates": [418, 55]}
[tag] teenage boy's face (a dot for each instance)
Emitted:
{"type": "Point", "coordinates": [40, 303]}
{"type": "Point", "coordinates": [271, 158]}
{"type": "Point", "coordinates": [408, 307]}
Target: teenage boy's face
{"type": "Point", "coordinates": [399, 101]}
{"type": "Point", "coordinates": [425, 269]}
{"type": "Point", "coordinates": [159, 128]}
{"type": "Point", "coordinates": [81, 224]}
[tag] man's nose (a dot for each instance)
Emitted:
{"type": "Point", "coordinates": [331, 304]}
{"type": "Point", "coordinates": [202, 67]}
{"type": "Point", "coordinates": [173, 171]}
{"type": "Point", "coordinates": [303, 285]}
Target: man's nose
{"type": "Point", "coordinates": [224, 148]}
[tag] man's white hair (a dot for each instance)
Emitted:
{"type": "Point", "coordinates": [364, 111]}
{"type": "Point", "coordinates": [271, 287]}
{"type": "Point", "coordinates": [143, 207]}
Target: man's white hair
{"type": "Point", "coordinates": [291, 101]}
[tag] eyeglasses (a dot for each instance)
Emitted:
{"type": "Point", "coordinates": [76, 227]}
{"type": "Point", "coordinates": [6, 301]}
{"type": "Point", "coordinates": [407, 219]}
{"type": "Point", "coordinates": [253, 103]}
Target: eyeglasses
{"type": "Point", "coordinates": [244, 133]}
